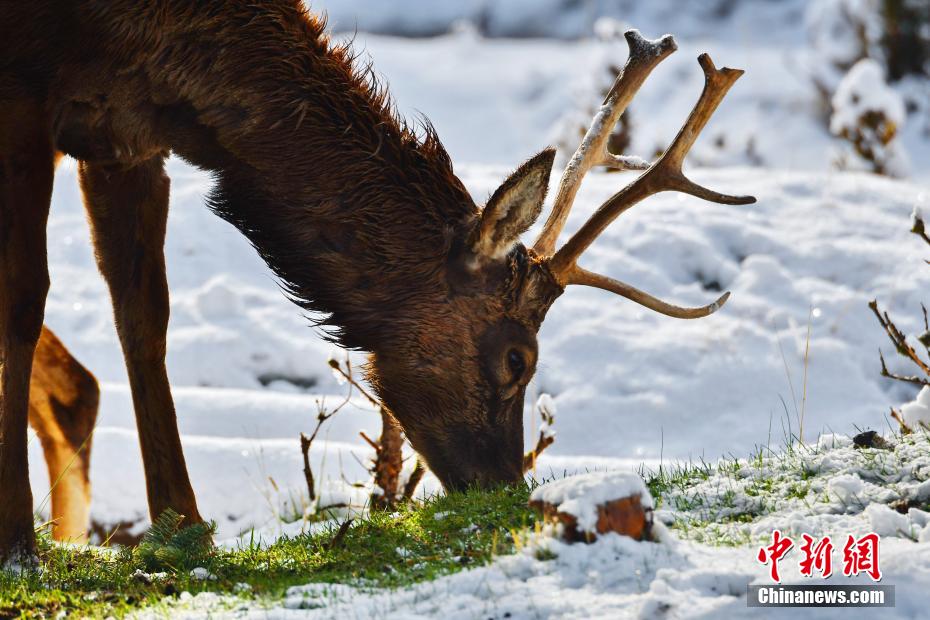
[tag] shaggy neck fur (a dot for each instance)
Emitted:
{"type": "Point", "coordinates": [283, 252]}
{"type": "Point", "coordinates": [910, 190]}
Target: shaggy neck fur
{"type": "Point", "coordinates": [353, 211]}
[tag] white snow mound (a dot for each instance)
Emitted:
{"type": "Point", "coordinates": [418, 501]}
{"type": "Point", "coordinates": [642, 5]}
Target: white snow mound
{"type": "Point", "coordinates": [917, 413]}
{"type": "Point", "coordinates": [864, 90]}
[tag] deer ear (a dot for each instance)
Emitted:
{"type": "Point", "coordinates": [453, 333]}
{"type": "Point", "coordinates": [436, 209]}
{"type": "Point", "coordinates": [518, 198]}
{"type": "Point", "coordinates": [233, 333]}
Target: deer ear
{"type": "Point", "coordinates": [513, 208]}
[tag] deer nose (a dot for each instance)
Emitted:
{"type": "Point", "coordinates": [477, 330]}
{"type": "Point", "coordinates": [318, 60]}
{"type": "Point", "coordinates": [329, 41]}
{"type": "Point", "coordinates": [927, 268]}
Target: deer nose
{"type": "Point", "coordinates": [484, 476]}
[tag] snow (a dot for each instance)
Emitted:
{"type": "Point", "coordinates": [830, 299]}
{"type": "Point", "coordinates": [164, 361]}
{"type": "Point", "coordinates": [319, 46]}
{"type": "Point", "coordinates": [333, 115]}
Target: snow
{"type": "Point", "coordinates": [581, 495]}
{"type": "Point", "coordinates": [680, 576]}
{"type": "Point", "coordinates": [545, 406]}
{"type": "Point", "coordinates": [545, 409]}
{"type": "Point", "coordinates": [556, 18]}
{"type": "Point", "coordinates": [916, 414]}
{"type": "Point", "coordinates": [202, 574]}
{"type": "Point", "coordinates": [864, 90]}
{"type": "Point", "coordinates": [863, 95]}
{"type": "Point", "coordinates": [842, 32]}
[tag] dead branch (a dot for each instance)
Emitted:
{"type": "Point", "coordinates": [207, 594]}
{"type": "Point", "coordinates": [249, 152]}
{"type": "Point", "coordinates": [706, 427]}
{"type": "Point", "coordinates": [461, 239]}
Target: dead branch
{"type": "Point", "coordinates": [388, 462]}
{"type": "Point", "coordinates": [529, 459]}
{"type": "Point", "coordinates": [388, 449]}
{"type": "Point", "coordinates": [350, 378]}
{"type": "Point", "coordinates": [905, 429]}
{"type": "Point", "coordinates": [546, 438]}
{"type": "Point", "coordinates": [906, 378]}
{"type": "Point", "coordinates": [415, 477]}
{"type": "Point", "coordinates": [371, 442]}
{"type": "Point", "coordinates": [322, 416]}
{"type": "Point", "coordinates": [308, 472]}
{"type": "Point", "coordinates": [898, 339]}
{"type": "Point", "coordinates": [340, 534]}
{"type": "Point", "coordinates": [920, 229]}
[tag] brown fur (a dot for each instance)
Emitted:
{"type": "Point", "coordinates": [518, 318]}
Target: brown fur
{"type": "Point", "coordinates": [362, 220]}
{"type": "Point", "coordinates": [63, 400]}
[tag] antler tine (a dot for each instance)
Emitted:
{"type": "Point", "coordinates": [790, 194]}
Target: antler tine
{"type": "Point", "coordinates": [664, 175]}
{"type": "Point", "coordinates": [644, 56]}
{"type": "Point", "coordinates": [579, 275]}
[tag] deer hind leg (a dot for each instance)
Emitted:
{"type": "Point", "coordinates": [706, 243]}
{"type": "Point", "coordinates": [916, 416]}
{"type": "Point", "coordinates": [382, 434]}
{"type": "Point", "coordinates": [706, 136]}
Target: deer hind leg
{"type": "Point", "coordinates": [128, 212]}
{"type": "Point", "coordinates": [63, 401]}
{"type": "Point", "coordinates": [26, 172]}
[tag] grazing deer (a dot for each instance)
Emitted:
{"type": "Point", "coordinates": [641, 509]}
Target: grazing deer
{"type": "Point", "coordinates": [361, 219]}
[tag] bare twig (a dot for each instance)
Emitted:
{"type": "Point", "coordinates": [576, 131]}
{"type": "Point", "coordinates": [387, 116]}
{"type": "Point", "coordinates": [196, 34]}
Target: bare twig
{"type": "Point", "coordinates": [340, 534]}
{"type": "Point", "coordinates": [529, 459]}
{"type": "Point", "coordinates": [898, 338]}
{"type": "Point", "coordinates": [546, 438]}
{"type": "Point", "coordinates": [415, 477]}
{"type": "Point", "coordinates": [305, 442]}
{"type": "Point", "coordinates": [388, 461]}
{"type": "Point", "coordinates": [905, 429]}
{"type": "Point", "coordinates": [350, 378]}
{"type": "Point", "coordinates": [920, 229]}
{"type": "Point", "coordinates": [905, 378]}
{"type": "Point", "coordinates": [388, 449]}
{"type": "Point", "coordinates": [371, 442]}
{"type": "Point", "coordinates": [308, 472]}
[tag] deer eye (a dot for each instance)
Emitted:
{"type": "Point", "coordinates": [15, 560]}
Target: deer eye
{"type": "Point", "coordinates": [517, 364]}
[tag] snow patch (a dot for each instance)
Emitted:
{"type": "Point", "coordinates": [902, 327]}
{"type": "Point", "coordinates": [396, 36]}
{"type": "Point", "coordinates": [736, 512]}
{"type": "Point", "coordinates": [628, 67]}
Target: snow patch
{"type": "Point", "coordinates": [916, 414]}
{"type": "Point", "coordinates": [580, 495]}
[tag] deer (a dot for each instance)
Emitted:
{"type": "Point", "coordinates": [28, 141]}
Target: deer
{"type": "Point", "coordinates": [63, 401]}
{"type": "Point", "coordinates": [357, 213]}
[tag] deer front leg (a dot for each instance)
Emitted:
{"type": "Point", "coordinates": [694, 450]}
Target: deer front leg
{"type": "Point", "coordinates": [26, 171]}
{"type": "Point", "coordinates": [63, 400]}
{"type": "Point", "coordinates": [128, 212]}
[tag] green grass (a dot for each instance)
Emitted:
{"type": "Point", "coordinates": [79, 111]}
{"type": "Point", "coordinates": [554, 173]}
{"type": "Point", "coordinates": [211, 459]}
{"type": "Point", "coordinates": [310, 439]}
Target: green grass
{"type": "Point", "coordinates": [718, 503]}
{"type": "Point", "coordinates": [383, 549]}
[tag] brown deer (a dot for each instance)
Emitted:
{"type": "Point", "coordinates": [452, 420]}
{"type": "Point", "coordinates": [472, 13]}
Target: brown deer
{"type": "Point", "coordinates": [63, 400]}
{"type": "Point", "coordinates": [361, 218]}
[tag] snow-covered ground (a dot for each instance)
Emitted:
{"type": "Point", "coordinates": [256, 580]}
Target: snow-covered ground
{"type": "Point", "coordinates": [846, 491]}
{"type": "Point", "coordinates": [632, 387]}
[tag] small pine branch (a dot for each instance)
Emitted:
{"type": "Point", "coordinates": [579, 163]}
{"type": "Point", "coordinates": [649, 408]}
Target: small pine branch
{"type": "Point", "coordinates": [163, 529]}
{"type": "Point", "coordinates": [168, 545]}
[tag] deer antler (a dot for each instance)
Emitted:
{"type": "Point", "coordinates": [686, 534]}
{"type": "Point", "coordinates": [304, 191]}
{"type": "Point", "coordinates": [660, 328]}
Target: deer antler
{"type": "Point", "coordinates": [645, 55]}
{"type": "Point", "coordinates": [663, 175]}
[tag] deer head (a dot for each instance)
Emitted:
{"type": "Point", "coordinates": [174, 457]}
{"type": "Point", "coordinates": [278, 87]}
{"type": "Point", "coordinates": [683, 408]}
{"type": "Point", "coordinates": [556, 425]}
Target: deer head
{"type": "Point", "coordinates": [457, 386]}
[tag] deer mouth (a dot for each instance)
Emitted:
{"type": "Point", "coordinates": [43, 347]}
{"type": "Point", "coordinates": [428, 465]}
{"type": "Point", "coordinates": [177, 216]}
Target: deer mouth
{"type": "Point", "coordinates": [469, 462]}
{"type": "Point", "coordinates": [482, 480]}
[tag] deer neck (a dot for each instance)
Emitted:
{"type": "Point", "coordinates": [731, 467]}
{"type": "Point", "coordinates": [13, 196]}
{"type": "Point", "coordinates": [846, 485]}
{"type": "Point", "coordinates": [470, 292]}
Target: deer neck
{"type": "Point", "coordinates": [351, 210]}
